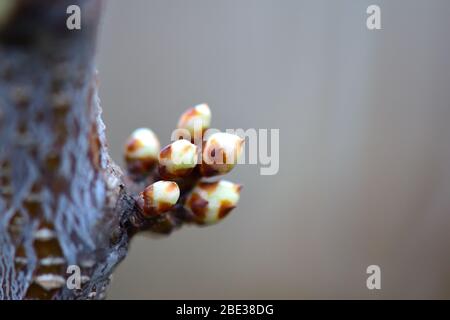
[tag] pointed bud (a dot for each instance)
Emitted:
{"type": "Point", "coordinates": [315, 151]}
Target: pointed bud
{"type": "Point", "coordinates": [141, 150]}
{"type": "Point", "coordinates": [195, 119]}
{"type": "Point", "coordinates": [220, 154]}
{"type": "Point", "coordinates": [159, 197]}
{"type": "Point", "coordinates": [212, 201]}
{"type": "Point", "coordinates": [177, 159]}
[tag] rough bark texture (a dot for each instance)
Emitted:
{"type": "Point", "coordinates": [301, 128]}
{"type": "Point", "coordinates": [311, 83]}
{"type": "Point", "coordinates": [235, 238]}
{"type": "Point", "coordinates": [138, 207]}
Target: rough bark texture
{"type": "Point", "coordinates": [62, 199]}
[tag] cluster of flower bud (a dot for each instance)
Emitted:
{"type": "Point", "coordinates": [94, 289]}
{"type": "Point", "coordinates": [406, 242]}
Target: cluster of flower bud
{"type": "Point", "coordinates": [186, 160]}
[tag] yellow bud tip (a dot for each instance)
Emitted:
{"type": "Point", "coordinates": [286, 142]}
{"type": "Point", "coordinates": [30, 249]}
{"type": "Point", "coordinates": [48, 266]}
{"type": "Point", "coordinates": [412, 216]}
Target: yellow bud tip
{"type": "Point", "coordinates": [159, 197]}
{"type": "Point", "coordinates": [221, 153]}
{"type": "Point", "coordinates": [177, 159]}
{"type": "Point", "coordinates": [142, 144]}
{"type": "Point", "coordinates": [210, 202]}
{"type": "Point", "coordinates": [141, 150]}
{"type": "Point", "coordinates": [194, 119]}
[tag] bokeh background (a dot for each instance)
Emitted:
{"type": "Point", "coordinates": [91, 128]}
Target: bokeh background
{"type": "Point", "coordinates": [364, 119]}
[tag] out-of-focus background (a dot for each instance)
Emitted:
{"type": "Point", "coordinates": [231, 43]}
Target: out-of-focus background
{"type": "Point", "coordinates": [364, 119]}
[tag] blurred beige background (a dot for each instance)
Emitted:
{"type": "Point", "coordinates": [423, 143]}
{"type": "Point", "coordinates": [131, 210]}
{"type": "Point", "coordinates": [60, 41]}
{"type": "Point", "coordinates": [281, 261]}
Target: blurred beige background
{"type": "Point", "coordinates": [364, 143]}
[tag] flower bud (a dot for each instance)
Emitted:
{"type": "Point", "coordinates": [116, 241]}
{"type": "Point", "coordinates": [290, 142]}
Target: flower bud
{"type": "Point", "coordinates": [159, 197]}
{"type": "Point", "coordinates": [220, 154]}
{"type": "Point", "coordinates": [212, 201]}
{"type": "Point", "coordinates": [177, 159]}
{"type": "Point", "coordinates": [141, 150]}
{"type": "Point", "coordinates": [195, 119]}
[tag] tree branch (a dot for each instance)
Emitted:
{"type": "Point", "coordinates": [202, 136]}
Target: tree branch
{"type": "Point", "coordinates": [63, 201]}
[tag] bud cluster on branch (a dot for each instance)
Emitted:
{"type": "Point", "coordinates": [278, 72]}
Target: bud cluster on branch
{"type": "Point", "coordinates": [67, 211]}
{"type": "Point", "coordinates": [172, 191]}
